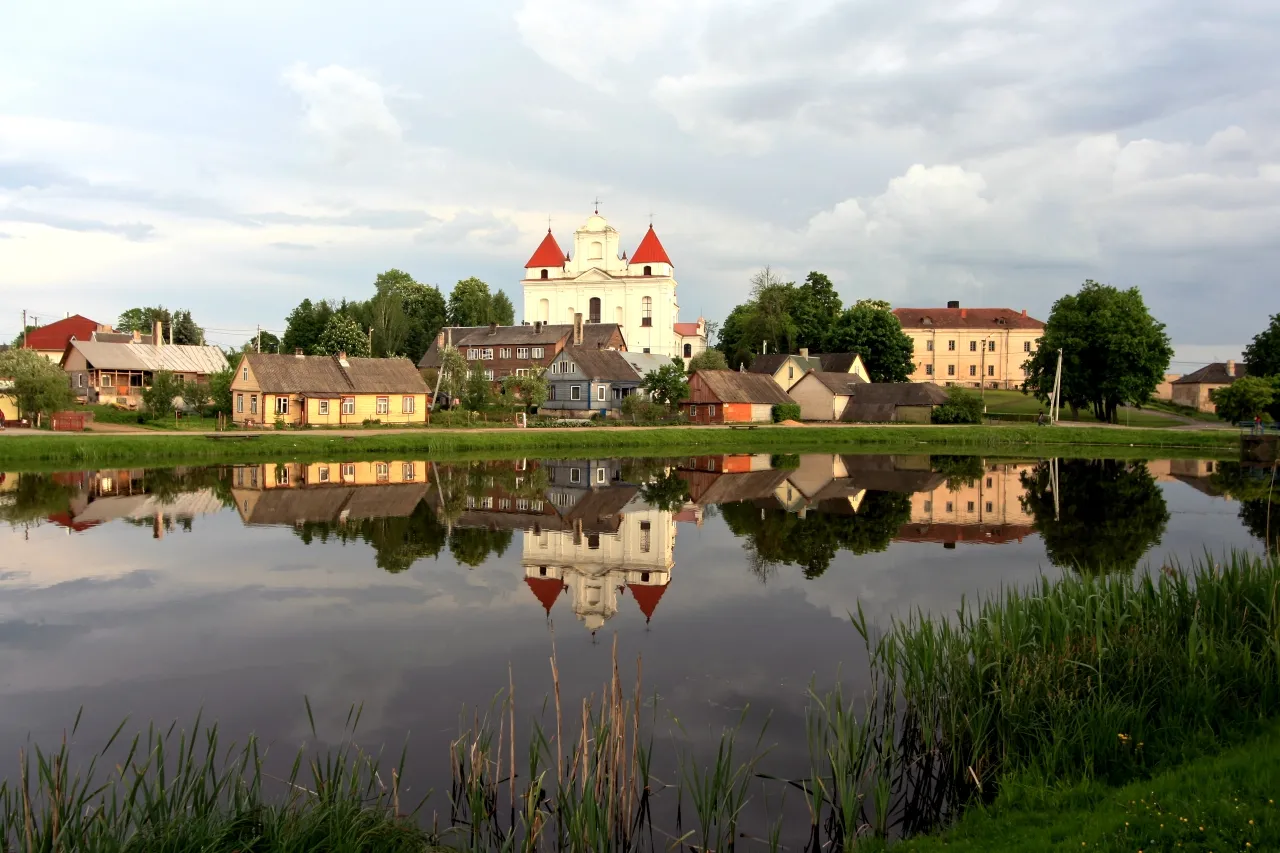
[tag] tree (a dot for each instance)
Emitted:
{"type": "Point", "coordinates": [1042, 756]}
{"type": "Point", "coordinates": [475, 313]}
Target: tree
{"type": "Point", "coordinates": [1246, 398]}
{"type": "Point", "coordinates": [962, 407]}
{"type": "Point", "coordinates": [306, 324]}
{"type": "Point", "coordinates": [667, 384]}
{"type": "Point", "coordinates": [185, 330]}
{"type": "Point", "coordinates": [770, 316]}
{"type": "Point", "coordinates": [478, 392]}
{"type": "Point", "coordinates": [708, 359]}
{"type": "Point", "coordinates": [872, 331]}
{"type": "Point", "coordinates": [343, 334]}
{"type": "Point", "coordinates": [390, 325]}
{"type": "Point", "coordinates": [815, 307]}
{"type": "Point", "coordinates": [960, 471]}
{"type": "Point", "coordinates": [454, 373]}
{"type": "Point", "coordinates": [470, 303]}
{"type": "Point", "coordinates": [531, 389]}
{"type": "Point", "coordinates": [266, 340]}
{"type": "Point", "coordinates": [158, 399]}
{"type": "Point", "coordinates": [738, 349]}
{"type": "Point", "coordinates": [423, 306]}
{"type": "Point", "coordinates": [667, 492]}
{"type": "Point", "coordinates": [180, 323]}
{"type": "Point", "coordinates": [1113, 351]}
{"type": "Point", "coordinates": [40, 387]}
{"type": "Point", "coordinates": [1108, 513]}
{"type": "Point", "coordinates": [220, 390]}
{"type": "Point", "coordinates": [1262, 357]}
{"type": "Point", "coordinates": [501, 311]}
{"type": "Point", "coordinates": [21, 337]}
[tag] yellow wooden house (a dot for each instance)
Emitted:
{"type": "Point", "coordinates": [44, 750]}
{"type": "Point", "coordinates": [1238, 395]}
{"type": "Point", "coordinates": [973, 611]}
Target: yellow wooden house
{"type": "Point", "coordinates": [322, 390]}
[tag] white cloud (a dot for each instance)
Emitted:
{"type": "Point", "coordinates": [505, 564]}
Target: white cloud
{"type": "Point", "coordinates": [346, 110]}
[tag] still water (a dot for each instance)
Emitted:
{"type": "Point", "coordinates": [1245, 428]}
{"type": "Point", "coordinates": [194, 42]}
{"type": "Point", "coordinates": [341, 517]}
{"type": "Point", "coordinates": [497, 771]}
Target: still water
{"type": "Point", "coordinates": [418, 589]}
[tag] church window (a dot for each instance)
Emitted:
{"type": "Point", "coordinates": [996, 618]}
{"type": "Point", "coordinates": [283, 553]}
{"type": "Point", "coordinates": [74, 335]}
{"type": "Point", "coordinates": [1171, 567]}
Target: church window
{"type": "Point", "coordinates": [644, 543]}
{"type": "Point", "coordinates": [648, 270]}
{"type": "Point", "coordinates": [544, 273]}
{"type": "Point", "coordinates": [617, 315]}
{"type": "Point", "coordinates": [688, 350]}
{"type": "Point", "coordinates": [544, 310]}
{"type": "Point", "coordinates": [597, 251]}
{"type": "Point", "coordinates": [646, 311]}
{"type": "Point", "coordinates": [593, 315]}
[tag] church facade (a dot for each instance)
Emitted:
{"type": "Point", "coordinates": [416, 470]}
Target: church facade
{"type": "Point", "coordinates": [599, 281]}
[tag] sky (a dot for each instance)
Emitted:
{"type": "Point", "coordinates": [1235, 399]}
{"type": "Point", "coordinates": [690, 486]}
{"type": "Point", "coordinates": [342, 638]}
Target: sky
{"type": "Point", "coordinates": [233, 158]}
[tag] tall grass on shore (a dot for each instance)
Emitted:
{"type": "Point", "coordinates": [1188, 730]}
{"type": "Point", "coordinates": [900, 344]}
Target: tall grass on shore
{"type": "Point", "coordinates": [178, 790]}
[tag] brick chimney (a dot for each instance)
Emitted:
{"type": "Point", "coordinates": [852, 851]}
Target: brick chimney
{"type": "Point", "coordinates": [804, 352]}
{"type": "Point", "coordinates": [577, 329]}
{"type": "Point", "coordinates": [954, 303]}
{"type": "Point", "coordinates": [448, 340]}
{"type": "Point", "coordinates": [537, 327]}
{"type": "Point", "coordinates": [964, 313]}
{"type": "Point", "coordinates": [157, 338]}
{"type": "Point", "coordinates": [136, 336]}
{"type": "Point", "coordinates": [493, 328]}
{"type": "Point", "coordinates": [1231, 369]}
{"type": "Point", "coordinates": [342, 359]}
{"type": "Point", "coordinates": [440, 340]}
{"type": "Point", "coordinates": [1024, 312]}
{"type": "Point", "coordinates": [297, 352]}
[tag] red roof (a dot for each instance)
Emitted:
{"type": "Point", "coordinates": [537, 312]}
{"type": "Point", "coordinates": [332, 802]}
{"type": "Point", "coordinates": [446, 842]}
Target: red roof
{"type": "Point", "coordinates": [547, 590]}
{"type": "Point", "coordinates": [64, 519]}
{"type": "Point", "coordinates": [548, 254]}
{"type": "Point", "coordinates": [55, 336]}
{"type": "Point", "coordinates": [689, 330]}
{"type": "Point", "coordinates": [647, 597]}
{"type": "Point", "coordinates": [650, 250]}
{"type": "Point", "coordinates": [965, 318]}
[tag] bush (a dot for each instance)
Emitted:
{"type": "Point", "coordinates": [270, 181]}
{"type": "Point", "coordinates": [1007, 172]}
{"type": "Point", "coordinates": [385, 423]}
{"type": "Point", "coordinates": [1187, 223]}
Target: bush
{"type": "Point", "coordinates": [962, 407]}
{"type": "Point", "coordinates": [159, 398]}
{"type": "Point", "coordinates": [786, 412]}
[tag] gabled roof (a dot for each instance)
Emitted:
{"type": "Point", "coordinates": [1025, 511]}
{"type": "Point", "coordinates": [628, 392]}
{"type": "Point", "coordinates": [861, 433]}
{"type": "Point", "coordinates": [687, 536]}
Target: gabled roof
{"type": "Point", "coordinates": [837, 362]}
{"type": "Point", "coordinates": [1213, 374]}
{"type": "Point", "coordinates": [319, 374]}
{"type": "Point", "coordinates": [687, 330]}
{"type": "Point", "coordinates": [650, 250]}
{"type": "Point", "coordinates": [178, 358]}
{"type": "Point", "coordinates": [730, 386]}
{"type": "Point", "coordinates": [837, 383]}
{"type": "Point", "coordinates": [644, 363]}
{"type": "Point", "coordinates": [897, 394]}
{"type": "Point", "coordinates": [965, 318]}
{"type": "Point", "coordinates": [594, 335]}
{"type": "Point", "coordinates": [55, 336]}
{"type": "Point", "coordinates": [608, 365]}
{"type": "Point", "coordinates": [548, 254]}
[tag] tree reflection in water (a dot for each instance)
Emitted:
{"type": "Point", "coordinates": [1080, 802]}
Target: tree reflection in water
{"type": "Point", "coordinates": [1255, 488]}
{"type": "Point", "coordinates": [1109, 513]}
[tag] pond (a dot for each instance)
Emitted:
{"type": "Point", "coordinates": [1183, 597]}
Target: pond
{"type": "Point", "coordinates": [419, 590]}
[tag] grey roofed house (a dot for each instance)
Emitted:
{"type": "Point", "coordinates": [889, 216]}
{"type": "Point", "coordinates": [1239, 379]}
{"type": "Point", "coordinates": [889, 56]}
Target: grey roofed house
{"type": "Point", "coordinates": [322, 374]}
{"type": "Point", "coordinates": [202, 360]}
{"type": "Point", "coordinates": [601, 364]}
{"type": "Point", "coordinates": [838, 383]}
{"type": "Point", "coordinates": [551, 335]}
{"type": "Point", "coordinates": [122, 338]}
{"type": "Point", "coordinates": [878, 402]}
{"type": "Point", "coordinates": [1217, 373]}
{"type": "Point", "coordinates": [332, 503]}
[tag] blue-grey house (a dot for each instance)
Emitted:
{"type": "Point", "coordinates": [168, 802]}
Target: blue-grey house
{"type": "Point", "coordinates": [584, 383]}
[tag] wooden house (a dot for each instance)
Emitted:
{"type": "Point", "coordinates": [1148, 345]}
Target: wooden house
{"type": "Point", "coordinates": [322, 390]}
{"type": "Point", "coordinates": [117, 373]}
{"type": "Point", "coordinates": [728, 396]}
{"type": "Point", "coordinates": [789, 368]}
{"type": "Point", "coordinates": [823, 396]}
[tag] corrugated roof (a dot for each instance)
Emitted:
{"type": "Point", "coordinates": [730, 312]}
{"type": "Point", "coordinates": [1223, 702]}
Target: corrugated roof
{"type": "Point", "coordinates": [965, 318]}
{"type": "Point", "coordinates": [1213, 374]}
{"type": "Point", "coordinates": [644, 363]}
{"type": "Point", "coordinates": [598, 364]}
{"type": "Point", "coordinates": [56, 336]}
{"type": "Point", "coordinates": [133, 356]}
{"type": "Point", "coordinates": [520, 336]}
{"type": "Point", "coordinates": [322, 374]}
{"type": "Point", "coordinates": [837, 383]}
{"type": "Point", "coordinates": [730, 386]}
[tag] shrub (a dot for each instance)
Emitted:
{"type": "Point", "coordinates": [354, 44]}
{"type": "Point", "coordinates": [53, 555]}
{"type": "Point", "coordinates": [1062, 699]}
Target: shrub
{"type": "Point", "coordinates": [962, 407]}
{"type": "Point", "coordinates": [786, 412]}
{"type": "Point", "coordinates": [159, 397]}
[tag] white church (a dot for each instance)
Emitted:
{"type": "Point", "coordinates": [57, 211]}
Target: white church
{"type": "Point", "coordinates": [602, 284]}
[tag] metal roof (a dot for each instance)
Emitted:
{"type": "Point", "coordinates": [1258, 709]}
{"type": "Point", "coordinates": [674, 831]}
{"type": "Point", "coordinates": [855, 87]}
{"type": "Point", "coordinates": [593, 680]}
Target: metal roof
{"type": "Point", "coordinates": [134, 356]}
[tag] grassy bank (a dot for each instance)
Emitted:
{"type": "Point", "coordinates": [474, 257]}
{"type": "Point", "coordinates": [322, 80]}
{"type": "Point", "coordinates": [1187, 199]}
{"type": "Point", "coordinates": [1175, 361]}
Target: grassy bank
{"type": "Point", "coordinates": [173, 449]}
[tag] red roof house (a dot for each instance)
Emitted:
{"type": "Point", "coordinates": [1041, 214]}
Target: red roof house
{"type": "Point", "coordinates": [54, 337]}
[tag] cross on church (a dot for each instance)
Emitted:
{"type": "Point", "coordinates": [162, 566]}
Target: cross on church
{"type": "Point", "coordinates": [597, 205]}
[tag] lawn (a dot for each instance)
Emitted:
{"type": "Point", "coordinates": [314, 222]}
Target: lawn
{"type": "Point", "coordinates": [1222, 803]}
{"type": "Point", "coordinates": [1017, 403]}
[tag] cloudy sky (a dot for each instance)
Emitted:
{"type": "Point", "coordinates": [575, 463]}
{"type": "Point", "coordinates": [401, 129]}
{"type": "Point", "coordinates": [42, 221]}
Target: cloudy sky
{"type": "Point", "coordinates": [235, 157]}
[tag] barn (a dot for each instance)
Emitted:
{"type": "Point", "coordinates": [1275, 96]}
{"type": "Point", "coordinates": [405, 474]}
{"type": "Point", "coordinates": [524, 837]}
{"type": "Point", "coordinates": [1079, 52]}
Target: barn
{"type": "Point", "coordinates": [729, 396]}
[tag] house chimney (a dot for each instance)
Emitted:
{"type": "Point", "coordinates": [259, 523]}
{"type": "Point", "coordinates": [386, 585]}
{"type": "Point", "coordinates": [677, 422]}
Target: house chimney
{"type": "Point", "coordinates": [493, 328]}
{"type": "Point", "coordinates": [342, 359]}
{"type": "Point", "coordinates": [136, 337]}
{"type": "Point", "coordinates": [954, 303]}
{"type": "Point", "coordinates": [964, 312]}
{"type": "Point", "coordinates": [804, 352]}
{"type": "Point", "coordinates": [1024, 312]}
{"type": "Point", "coordinates": [448, 336]}
{"type": "Point", "coordinates": [297, 352]}
{"type": "Point", "coordinates": [577, 329]}
{"type": "Point", "coordinates": [157, 337]}
{"type": "Point", "coordinates": [537, 327]}
{"type": "Point", "coordinates": [1231, 369]}
{"type": "Point", "coordinates": [440, 340]}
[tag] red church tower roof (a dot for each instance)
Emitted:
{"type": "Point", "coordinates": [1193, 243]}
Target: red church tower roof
{"type": "Point", "coordinates": [647, 597]}
{"type": "Point", "coordinates": [547, 590]}
{"type": "Point", "coordinates": [650, 250]}
{"type": "Point", "coordinates": [548, 254]}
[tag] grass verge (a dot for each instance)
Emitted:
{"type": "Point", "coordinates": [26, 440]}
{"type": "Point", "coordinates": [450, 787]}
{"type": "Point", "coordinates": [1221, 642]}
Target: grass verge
{"type": "Point", "coordinates": [171, 449]}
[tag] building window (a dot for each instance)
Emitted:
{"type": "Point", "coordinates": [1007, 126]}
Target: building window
{"type": "Point", "coordinates": [575, 476]}
{"type": "Point", "coordinates": [973, 370]}
{"type": "Point", "coordinates": [544, 273]}
{"type": "Point", "coordinates": [1026, 346]}
{"type": "Point", "coordinates": [504, 352]}
{"type": "Point", "coordinates": [951, 346]}
{"type": "Point", "coordinates": [688, 350]}
{"type": "Point", "coordinates": [253, 404]}
{"type": "Point", "coordinates": [791, 371]}
{"type": "Point", "coordinates": [575, 392]}
{"type": "Point", "coordinates": [472, 354]}
{"type": "Point", "coordinates": [282, 405]}
{"type": "Point", "coordinates": [602, 392]}
{"type": "Point", "coordinates": [348, 405]}
{"type": "Point", "coordinates": [522, 352]}
{"type": "Point", "coordinates": [950, 506]}
{"type": "Point", "coordinates": [240, 403]}
{"type": "Point", "coordinates": [646, 350]}
{"type": "Point", "coordinates": [551, 392]}
{"type": "Point", "coordinates": [928, 370]}
{"type": "Point", "coordinates": [245, 373]}
{"type": "Point", "coordinates": [382, 471]}
{"type": "Point", "coordinates": [928, 506]}
{"type": "Point", "coordinates": [322, 407]}
{"type": "Point", "coordinates": [282, 475]}
{"type": "Point", "coordinates": [407, 404]}
{"type": "Point", "coordinates": [488, 354]}
{"type": "Point", "coordinates": [693, 411]}
{"type": "Point", "coordinates": [488, 374]}
{"type": "Point", "coordinates": [409, 471]}
{"type": "Point", "coordinates": [991, 345]}
{"type": "Point", "coordinates": [383, 406]}
{"type": "Point", "coordinates": [970, 506]}
{"type": "Point", "coordinates": [537, 352]}
{"type": "Point", "coordinates": [601, 476]}
{"type": "Point", "coordinates": [648, 270]}
{"type": "Point", "coordinates": [322, 473]}
{"type": "Point", "coordinates": [646, 311]}
{"type": "Point", "coordinates": [928, 345]}
{"type": "Point", "coordinates": [989, 506]}
{"type": "Point", "coordinates": [593, 310]}
{"type": "Point", "coordinates": [988, 482]}
{"type": "Point", "coordinates": [522, 371]}
{"type": "Point", "coordinates": [644, 537]}
{"type": "Point", "coordinates": [973, 346]}
{"type": "Point", "coordinates": [951, 370]}
{"type": "Point", "coordinates": [593, 541]}
{"type": "Point", "coordinates": [349, 471]}
{"type": "Point", "coordinates": [991, 370]}
{"type": "Point", "coordinates": [711, 411]}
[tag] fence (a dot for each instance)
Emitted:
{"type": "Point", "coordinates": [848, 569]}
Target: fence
{"type": "Point", "coordinates": [67, 422]}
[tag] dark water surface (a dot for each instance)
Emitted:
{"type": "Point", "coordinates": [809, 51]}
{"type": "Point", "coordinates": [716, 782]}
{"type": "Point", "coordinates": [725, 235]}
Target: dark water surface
{"type": "Point", "coordinates": [415, 588]}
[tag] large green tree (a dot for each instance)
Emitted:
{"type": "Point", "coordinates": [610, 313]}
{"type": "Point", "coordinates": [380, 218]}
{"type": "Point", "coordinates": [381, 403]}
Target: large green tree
{"type": "Point", "coordinates": [159, 396]}
{"type": "Point", "coordinates": [667, 385]}
{"type": "Point", "coordinates": [815, 307]}
{"type": "Point", "coordinates": [708, 359]}
{"type": "Point", "coordinates": [1262, 357]}
{"type": "Point", "coordinates": [1246, 398]}
{"type": "Point", "coordinates": [1113, 351]}
{"type": "Point", "coordinates": [422, 304]}
{"type": "Point", "coordinates": [306, 324]}
{"type": "Point", "coordinates": [872, 331]}
{"type": "Point", "coordinates": [470, 303]}
{"type": "Point", "coordinates": [733, 341]}
{"type": "Point", "coordinates": [142, 320]}
{"type": "Point", "coordinates": [40, 387]}
{"type": "Point", "coordinates": [343, 334]}
{"type": "Point", "coordinates": [390, 324]}
{"type": "Point", "coordinates": [501, 311]}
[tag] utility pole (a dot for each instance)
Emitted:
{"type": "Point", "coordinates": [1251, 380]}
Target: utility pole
{"type": "Point", "coordinates": [258, 345]}
{"type": "Point", "coordinates": [1055, 406]}
{"type": "Point", "coordinates": [24, 328]}
{"type": "Point", "coordinates": [371, 342]}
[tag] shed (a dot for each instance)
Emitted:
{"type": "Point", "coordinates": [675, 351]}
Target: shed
{"type": "Point", "coordinates": [883, 402]}
{"type": "Point", "coordinates": [823, 396]}
{"type": "Point", "coordinates": [728, 396]}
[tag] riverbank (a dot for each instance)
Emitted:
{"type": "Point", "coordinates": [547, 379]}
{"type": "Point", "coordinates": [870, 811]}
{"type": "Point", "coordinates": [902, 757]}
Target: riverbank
{"type": "Point", "coordinates": [157, 449]}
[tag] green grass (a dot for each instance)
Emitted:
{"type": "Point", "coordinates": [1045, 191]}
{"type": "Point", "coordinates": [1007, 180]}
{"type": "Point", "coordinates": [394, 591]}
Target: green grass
{"type": "Point", "coordinates": [1185, 411]}
{"type": "Point", "coordinates": [1017, 403]}
{"type": "Point", "coordinates": [171, 449]}
{"type": "Point", "coordinates": [1222, 803]}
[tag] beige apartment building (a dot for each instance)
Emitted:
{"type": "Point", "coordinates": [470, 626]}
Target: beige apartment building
{"type": "Point", "coordinates": [975, 347]}
{"type": "Point", "coordinates": [988, 510]}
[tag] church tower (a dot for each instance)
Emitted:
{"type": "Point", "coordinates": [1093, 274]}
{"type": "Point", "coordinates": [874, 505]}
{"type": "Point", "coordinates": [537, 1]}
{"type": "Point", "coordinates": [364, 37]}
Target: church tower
{"type": "Point", "coordinates": [598, 281]}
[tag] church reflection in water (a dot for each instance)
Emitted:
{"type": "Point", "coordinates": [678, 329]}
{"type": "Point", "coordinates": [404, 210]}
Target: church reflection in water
{"type": "Point", "coordinates": [597, 532]}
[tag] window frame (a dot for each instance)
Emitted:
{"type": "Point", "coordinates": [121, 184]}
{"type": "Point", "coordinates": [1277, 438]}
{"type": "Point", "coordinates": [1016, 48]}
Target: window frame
{"type": "Point", "coordinates": [382, 406]}
{"type": "Point", "coordinates": [239, 404]}
{"type": "Point", "coordinates": [951, 346]}
{"type": "Point", "coordinates": [602, 393]}
{"type": "Point", "coordinates": [253, 404]}
{"type": "Point", "coordinates": [538, 352]}
{"type": "Point", "coordinates": [348, 409]}
{"type": "Point", "coordinates": [409, 471]}
{"type": "Point", "coordinates": [282, 405]}
{"type": "Point", "coordinates": [951, 370]}
{"type": "Point", "coordinates": [928, 370]}
{"type": "Point", "coordinates": [322, 407]}
{"type": "Point", "coordinates": [522, 352]}
{"type": "Point", "coordinates": [408, 404]}
{"type": "Point", "coordinates": [575, 392]}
